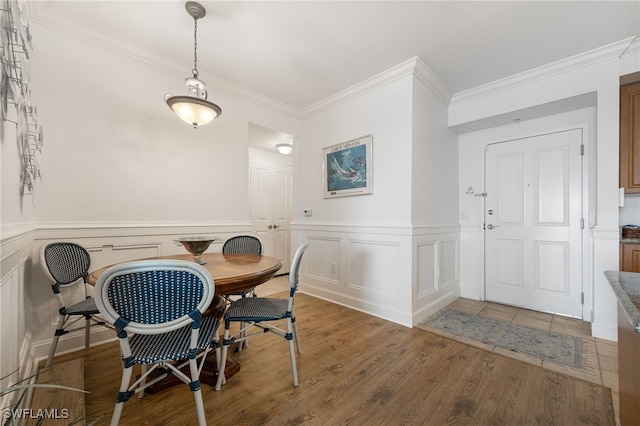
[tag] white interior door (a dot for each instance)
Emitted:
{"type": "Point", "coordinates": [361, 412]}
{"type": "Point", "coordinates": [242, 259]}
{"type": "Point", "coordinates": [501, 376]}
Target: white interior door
{"type": "Point", "coordinates": [271, 185]}
{"type": "Point", "coordinates": [533, 223]}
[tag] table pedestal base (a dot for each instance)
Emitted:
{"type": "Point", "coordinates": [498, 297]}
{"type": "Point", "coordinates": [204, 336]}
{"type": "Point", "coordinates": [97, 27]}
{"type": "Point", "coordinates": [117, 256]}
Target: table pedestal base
{"type": "Point", "coordinates": [209, 374]}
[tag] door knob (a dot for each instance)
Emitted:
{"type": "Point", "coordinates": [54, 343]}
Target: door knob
{"type": "Point", "coordinates": [490, 226]}
{"type": "Point", "coordinates": [276, 226]}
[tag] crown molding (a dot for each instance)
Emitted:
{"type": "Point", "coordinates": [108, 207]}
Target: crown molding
{"type": "Point", "coordinates": [633, 48]}
{"type": "Point", "coordinates": [604, 53]}
{"type": "Point", "coordinates": [414, 66]}
{"type": "Point", "coordinates": [41, 15]}
{"type": "Point", "coordinates": [432, 81]}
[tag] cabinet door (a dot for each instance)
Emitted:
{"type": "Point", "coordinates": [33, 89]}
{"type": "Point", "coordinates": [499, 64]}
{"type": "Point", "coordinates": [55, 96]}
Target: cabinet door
{"type": "Point", "coordinates": [630, 138]}
{"type": "Point", "coordinates": [630, 257]}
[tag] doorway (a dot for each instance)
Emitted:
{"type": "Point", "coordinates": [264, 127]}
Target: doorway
{"type": "Point", "coordinates": [270, 192]}
{"type": "Point", "coordinates": [533, 222]}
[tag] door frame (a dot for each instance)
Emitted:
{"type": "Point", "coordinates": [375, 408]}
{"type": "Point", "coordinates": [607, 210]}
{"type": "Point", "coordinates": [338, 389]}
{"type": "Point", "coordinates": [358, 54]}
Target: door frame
{"type": "Point", "coordinates": [588, 211]}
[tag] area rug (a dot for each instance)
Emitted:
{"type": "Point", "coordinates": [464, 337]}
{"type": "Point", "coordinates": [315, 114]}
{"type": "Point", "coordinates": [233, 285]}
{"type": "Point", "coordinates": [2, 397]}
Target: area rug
{"type": "Point", "coordinates": [555, 347]}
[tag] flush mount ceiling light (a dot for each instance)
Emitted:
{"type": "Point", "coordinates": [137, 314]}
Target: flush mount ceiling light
{"type": "Point", "coordinates": [284, 148]}
{"type": "Point", "coordinates": [194, 108]}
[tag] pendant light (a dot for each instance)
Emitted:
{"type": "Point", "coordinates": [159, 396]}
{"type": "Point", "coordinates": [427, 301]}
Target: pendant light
{"type": "Point", "coordinates": [284, 148]}
{"type": "Point", "coordinates": [194, 108]}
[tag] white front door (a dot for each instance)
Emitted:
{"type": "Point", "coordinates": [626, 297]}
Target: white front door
{"type": "Point", "coordinates": [533, 222]}
{"type": "Point", "coordinates": [271, 185]}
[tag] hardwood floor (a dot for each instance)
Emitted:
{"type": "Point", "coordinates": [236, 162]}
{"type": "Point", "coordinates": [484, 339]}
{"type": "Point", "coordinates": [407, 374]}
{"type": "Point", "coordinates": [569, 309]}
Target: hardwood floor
{"type": "Point", "coordinates": [356, 369]}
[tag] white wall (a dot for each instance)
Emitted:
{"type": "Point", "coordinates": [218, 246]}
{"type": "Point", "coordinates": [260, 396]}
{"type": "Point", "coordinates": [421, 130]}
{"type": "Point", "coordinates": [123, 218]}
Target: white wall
{"type": "Point", "coordinates": [115, 153]}
{"type": "Point", "coordinates": [434, 207]}
{"type": "Point", "coordinates": [472, 146]}
{"type": "Point", "coordinates": [593, 72]}
{"type": "Point", "coordinates": [394, 253]}
{"type": "Point", "coordinates": [121, 175]}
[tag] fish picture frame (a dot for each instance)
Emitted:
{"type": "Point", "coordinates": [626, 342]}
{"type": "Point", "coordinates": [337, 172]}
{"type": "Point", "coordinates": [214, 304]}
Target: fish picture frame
{"type": "Point", "coordinates": [348, 168]}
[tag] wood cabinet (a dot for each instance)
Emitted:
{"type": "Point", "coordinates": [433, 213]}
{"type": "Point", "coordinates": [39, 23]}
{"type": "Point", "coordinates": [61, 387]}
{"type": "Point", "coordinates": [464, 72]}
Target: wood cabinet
{"type": "Point", "coordinates": [630, 138]}
{"type": "Point", "coordinates": [630, 257]}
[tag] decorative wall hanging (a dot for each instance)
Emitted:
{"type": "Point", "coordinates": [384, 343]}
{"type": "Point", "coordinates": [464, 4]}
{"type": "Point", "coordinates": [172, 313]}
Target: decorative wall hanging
{"type": "Point", "coordinates": [348, 168]}
{"type": "Point", "coordinates": [15, 91]}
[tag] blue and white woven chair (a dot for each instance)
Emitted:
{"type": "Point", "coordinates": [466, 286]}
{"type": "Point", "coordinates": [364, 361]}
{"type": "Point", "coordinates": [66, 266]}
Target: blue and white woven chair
{"type": "Point", "coordinates": [156, 307]}
{"type": "Point", "coordinates": [67, 266]}
{"type": "Point", "coordinates": [242, 244]}
{"type": "Point", "coordinates": [259, 312]}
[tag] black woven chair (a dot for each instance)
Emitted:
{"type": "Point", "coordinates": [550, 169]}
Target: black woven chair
{"type": "Point", "coordinates": [67, 265]}
{"type": "Point", "coordinates": [160, 302]}
{"type": "Point", "coordinates": [260, 312]}
{"type": "Point", "coordinates": [242, 244]}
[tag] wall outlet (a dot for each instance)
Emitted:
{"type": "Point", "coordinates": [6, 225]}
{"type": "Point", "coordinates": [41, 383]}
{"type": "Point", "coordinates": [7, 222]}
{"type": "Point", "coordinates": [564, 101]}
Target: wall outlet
{"type": "Point", "coordinates": [332, 268]}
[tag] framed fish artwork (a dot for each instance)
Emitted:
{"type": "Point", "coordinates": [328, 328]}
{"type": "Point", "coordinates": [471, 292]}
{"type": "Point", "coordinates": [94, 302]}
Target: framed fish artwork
{"type": "Point", "coordinates": [348, 168]}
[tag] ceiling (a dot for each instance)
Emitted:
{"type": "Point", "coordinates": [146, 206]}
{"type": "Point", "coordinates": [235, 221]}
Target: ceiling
{"type": "Point", "coordinates": [301, 52]}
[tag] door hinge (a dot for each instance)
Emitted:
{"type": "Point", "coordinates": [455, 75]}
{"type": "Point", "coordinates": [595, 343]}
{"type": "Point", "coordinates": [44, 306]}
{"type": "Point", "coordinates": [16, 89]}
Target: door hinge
{"type": "Point", "coordinates": [582, 223]}
{"type": "Point", "coordinates": [582, 298]}
{"type": "Point", "coordinates": [582, 150]}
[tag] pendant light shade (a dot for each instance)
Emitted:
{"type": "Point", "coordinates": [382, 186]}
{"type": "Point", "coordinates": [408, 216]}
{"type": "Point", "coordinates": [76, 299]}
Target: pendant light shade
{"type": "Point", "coordinates": [194, 108]}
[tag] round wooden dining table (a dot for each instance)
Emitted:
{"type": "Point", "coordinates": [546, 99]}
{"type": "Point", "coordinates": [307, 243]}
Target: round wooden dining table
{"type": "Point", "coordinates": [230, 273]}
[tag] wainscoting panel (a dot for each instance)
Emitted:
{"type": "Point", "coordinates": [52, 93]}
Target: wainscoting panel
{"type": "Point", "coordinates": [106, 246]}
{"type": "Point", "coordinates": [402, 274]}
{"type": "Point", "coordinates": [12, 325]}
{"type": "Point", "coordinates": [326, 265]}
{"type": "Point", "coordinates": [427, 268]}
{"type": "Point", "coordinates": [373, 267]}
{"type": "Point", "coordinates": [105, 255]}
{"type": "Point", "coordinates": [16, 362]}
{"type": "Point", "coordinates": [449, 260]}
{"type": "Point", "coordinates": [438, 260]}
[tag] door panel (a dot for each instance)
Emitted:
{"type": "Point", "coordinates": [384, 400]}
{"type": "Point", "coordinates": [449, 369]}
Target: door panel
{"type": "Point", "coordinates": [271, 185]}
{"type": "Point", "coordinates": [533, 236]}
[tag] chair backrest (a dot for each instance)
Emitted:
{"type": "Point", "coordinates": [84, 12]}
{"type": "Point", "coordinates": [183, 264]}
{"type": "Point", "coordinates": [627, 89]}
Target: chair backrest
{"type": "Point", "coordinates": [65, 263]}
{"type": "Point", "coordinates": [154, 296]}
{"type": "Point", "coordinates": [295, 267]}
{"type": "Point", "coordinates": [243, 244]}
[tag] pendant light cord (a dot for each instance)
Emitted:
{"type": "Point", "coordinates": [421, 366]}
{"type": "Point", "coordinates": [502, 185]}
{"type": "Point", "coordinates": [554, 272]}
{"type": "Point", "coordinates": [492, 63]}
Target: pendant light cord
{"type": "Point", "coordinates": [195, 47]}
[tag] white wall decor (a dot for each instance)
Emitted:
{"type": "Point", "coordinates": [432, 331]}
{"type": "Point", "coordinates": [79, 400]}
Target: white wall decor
{"type": "Point", "coordinates": [15, 89]}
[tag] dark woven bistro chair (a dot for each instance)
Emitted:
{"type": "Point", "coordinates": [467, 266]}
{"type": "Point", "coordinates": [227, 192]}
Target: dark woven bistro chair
{"type": "Point", "coordinates": [67, 266]}
{"type": "Point", "coordinates": [259, 312]}
{"type": "Point", "coordinates": [242, 244]}
{"type": "Point", "coordinates": [156, 307]}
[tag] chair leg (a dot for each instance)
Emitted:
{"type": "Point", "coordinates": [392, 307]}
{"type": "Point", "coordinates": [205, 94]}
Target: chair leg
{"type": "Point", "coordinates": [87, 331]}
{"type": "Point", "coordinates": [243, 344]}
{"type": "Point", "coordinates": [197, 393]}
{"type": "Point", "coordinates": [124, 387]}
{"type": "Point", "coordinates": [143, 371]}
{"type": "Point", "coordinates": [292, 352]}
{"type": "Point", "coordinates": [295, 333]}
{"type": "Point", "coordinates": [202, 419]}
{"type": "Point", "coordinates": [56, 337]}
{"type": "Point", "coordinates": [223, 359]}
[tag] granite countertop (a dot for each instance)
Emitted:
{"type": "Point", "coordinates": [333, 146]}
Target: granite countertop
{"type": "Point", "coordinates": [626, 286]}
{"type": "Point", "coordinates": [630, 240]}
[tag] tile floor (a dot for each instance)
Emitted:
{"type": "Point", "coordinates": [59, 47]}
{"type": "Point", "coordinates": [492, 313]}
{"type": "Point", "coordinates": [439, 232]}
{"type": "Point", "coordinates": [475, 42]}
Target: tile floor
{"type": "Point", "coordinates": [600, 356]}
